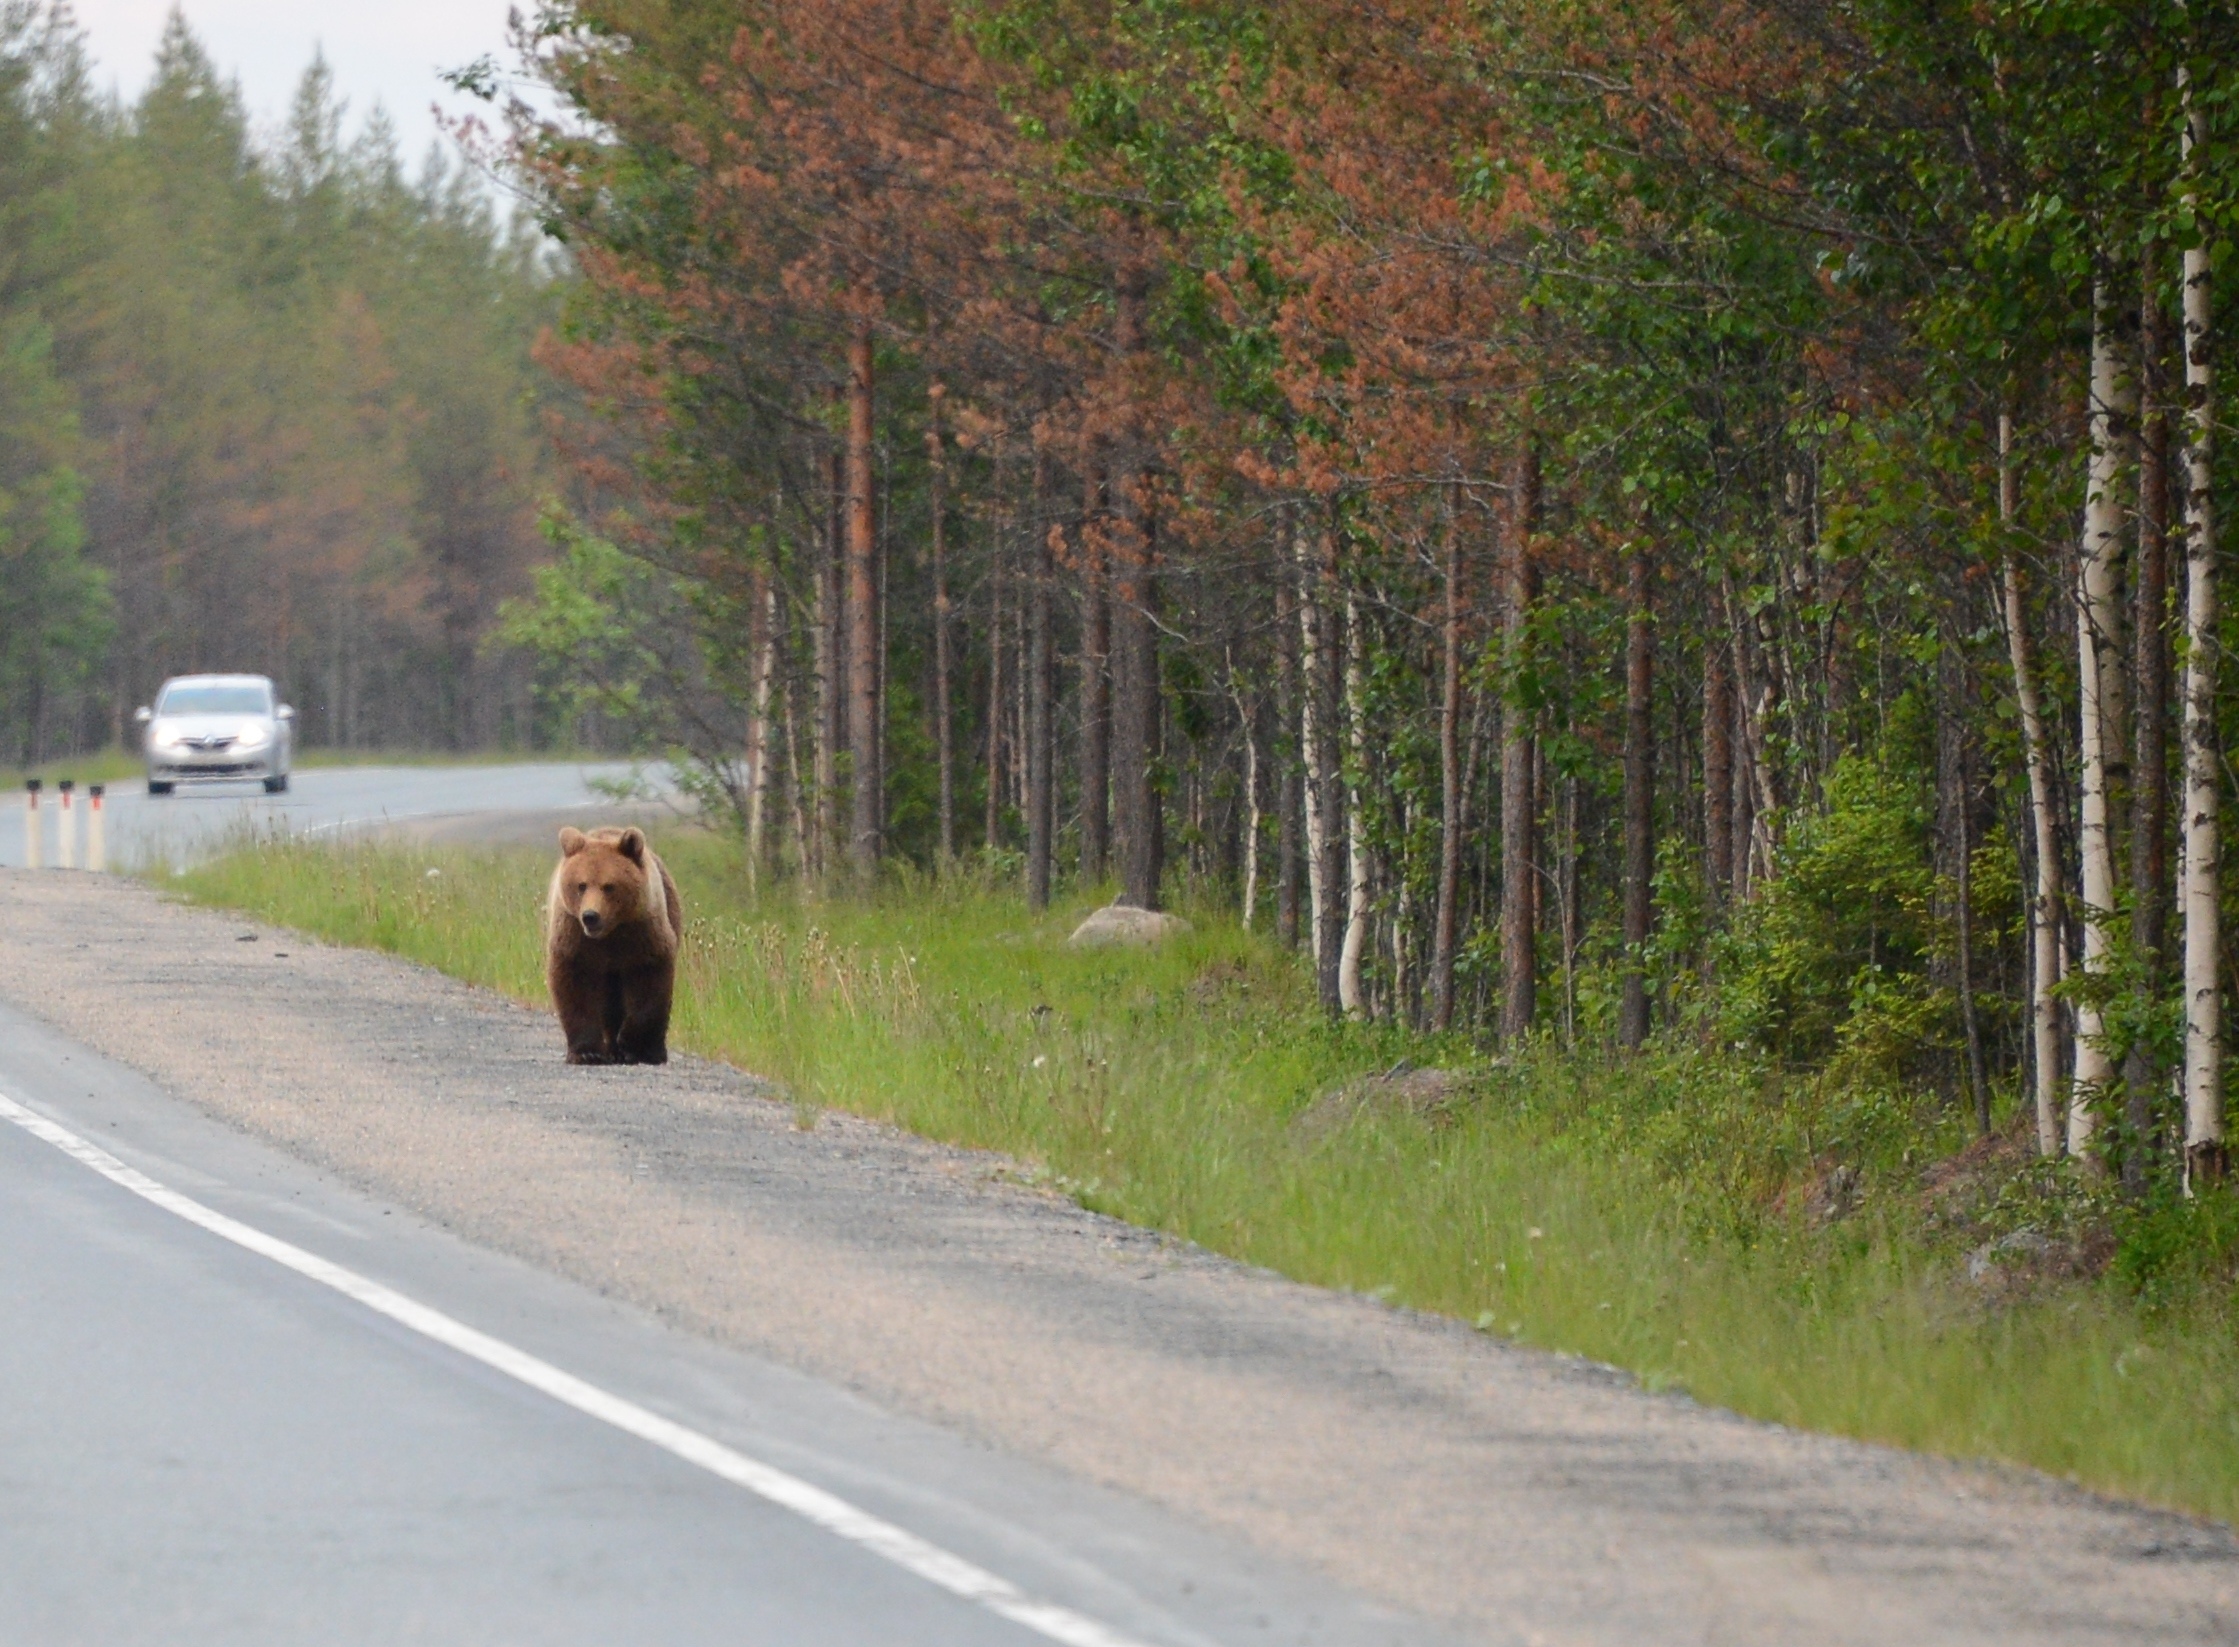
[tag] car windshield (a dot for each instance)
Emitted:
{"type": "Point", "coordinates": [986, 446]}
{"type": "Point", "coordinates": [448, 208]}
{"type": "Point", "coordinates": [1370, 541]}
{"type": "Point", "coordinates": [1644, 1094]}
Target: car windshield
{"type": "Point", "coordinates": [215, 698]}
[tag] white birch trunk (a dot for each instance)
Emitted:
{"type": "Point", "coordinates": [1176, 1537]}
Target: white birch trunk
{"type": "Point", "coordinates": [2099, 670]}
{"type": "Point", "coordinates": [758, 740]}
{"type": "Point", "coordinates": [1310, 740]}
{"type": "Point", "coordinates": [1251, 799]}
{"type": "Point", "coordinates": [2047, 954]}
{"type": "Point", "coordinates": [1402, 935]}
{"type": "Point", "coordinates": [2199, 880]}
{"type": "Point", "coordinates": [1349, 996]}
{"type": "Point", "coordinates": [1251, 828]}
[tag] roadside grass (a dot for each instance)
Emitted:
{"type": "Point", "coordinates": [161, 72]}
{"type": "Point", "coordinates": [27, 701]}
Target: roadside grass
{"type": "Point", "coordinates": [1646, 1212]}
{"type": "Point", "coordinates": [103, 766]}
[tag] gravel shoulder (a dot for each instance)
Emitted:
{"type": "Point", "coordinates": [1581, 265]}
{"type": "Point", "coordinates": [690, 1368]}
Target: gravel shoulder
{"type": "Point", "coordinates": [1521, 1496]}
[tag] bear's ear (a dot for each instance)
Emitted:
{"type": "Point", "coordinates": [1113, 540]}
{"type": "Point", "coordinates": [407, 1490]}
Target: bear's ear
{"type": "Point", "coordinates": [571, 841]}
{"type": "Point", "coordinates": [632, 844]}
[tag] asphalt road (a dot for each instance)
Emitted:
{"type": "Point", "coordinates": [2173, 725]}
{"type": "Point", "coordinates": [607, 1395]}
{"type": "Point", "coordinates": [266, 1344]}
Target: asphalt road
{"type": "Point", "coordinates": [199, 1445]}
{"type": "Point", "coordinates": [199, 818]}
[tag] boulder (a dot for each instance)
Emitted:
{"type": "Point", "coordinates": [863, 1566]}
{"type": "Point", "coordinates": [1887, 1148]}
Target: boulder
{"type": "Point", "coordinates": [1124, 924]}
{"type": "Point", "coordinates": [1434, 1095]}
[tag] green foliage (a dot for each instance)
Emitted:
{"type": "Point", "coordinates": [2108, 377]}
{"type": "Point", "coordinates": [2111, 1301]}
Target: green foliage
{"type": "Point", "coordinates": [1830, 961]}
{"type": "Point", "coordinates": [585, 622]}
{"type": "Point", "coordinates": [55, 611]}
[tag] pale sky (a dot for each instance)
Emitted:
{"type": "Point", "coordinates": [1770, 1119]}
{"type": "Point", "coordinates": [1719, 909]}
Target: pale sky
{"type": "Point", "coordinates": [385, 51]}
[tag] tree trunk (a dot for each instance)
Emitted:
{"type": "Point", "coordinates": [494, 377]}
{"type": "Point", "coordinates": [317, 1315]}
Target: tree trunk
{"type": "Point", "coordinates": [1096, 689]}
{"type": "Point", "coordinates": [2046, 965]}
{"type": "Point", "coordinates": [1756, 785]}
{"type": "Point", "coordinates": [866, 779]}
{"type": "Point", "coordinates": [1325, 778]}
{"type": "Point", "coordinates": [2143, 1076]}
{"type": "Point", "coordinates": [1138, 824]}
{"type": "Point", "coordinates": [2100, 669]}
{"type": "Point", "coordinates": [796, 695]}
{"type": "Point", "coordinates": [1289, 800]}
{"type": "Point", "coordinates": [1519, 890]}
{"type": "Point", "coordinates": [1312, 751]}
{"type": "Point", "coordinates": [1135, 717]}
{"type": "Point", "coordinates": [944, 659]}
{"type": "Point", "coordinates": [1718, 768]}
{"type": "Point", "coordinates": [1639, 801]}
{"type": "Point", "coordinates": [1041, 727]}
{"type": "Point", "coordinates": [2203, 1077]}
{"type": "Point", "coordinates": [1569, 907]}
{"type": "Point", "coordinates": [831, 664]}
{"type": "Point", "coordinates": [1248, 731]}
{"type": "Point", "coordinates": [1359, 873]}
{"type": "Point", "coordinates": [1955, 801]}
{"type": "Point", "coordinates": [761, 644]}
{"type": "Point", "coordinates": [993, 819]}
{"type": "Point", "coordinates": [1407, 1004]}
{"type": "Point", "coordinates": [1446, 925]}
{"type": "Point", "coordinates": [1020, 757]}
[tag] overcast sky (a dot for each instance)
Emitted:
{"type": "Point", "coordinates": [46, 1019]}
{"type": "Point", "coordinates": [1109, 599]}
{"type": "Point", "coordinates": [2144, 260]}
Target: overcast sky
{"type": "Point", "coordinates": [382, 51]}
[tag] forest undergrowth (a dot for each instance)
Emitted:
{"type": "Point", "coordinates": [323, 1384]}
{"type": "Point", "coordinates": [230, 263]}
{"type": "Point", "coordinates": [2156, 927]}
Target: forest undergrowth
{"type": "Point", "coordinates": [1833, 1253]}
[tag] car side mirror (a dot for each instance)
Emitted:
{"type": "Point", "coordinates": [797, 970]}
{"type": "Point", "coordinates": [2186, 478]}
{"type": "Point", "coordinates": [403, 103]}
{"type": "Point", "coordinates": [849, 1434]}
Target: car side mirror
{"type": "Point", "coordinates": [287, 712]}
{"type": "Point", "coordinates": [143, 715]}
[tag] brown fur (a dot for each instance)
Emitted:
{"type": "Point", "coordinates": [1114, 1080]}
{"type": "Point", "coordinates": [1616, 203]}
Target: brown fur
{"type": "Point", "coordinates": [612, 924]}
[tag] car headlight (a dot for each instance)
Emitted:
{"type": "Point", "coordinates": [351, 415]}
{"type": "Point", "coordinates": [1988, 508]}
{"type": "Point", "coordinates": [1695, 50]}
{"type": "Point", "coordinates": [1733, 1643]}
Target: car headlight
{"type": "Point", "coordinates": [164, 738]}
{"type": "Point", "coordinates": [252, 737]}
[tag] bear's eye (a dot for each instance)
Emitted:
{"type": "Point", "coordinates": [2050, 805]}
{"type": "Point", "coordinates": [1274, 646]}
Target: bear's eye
{"type": "Point", "coordinates": [608, 889]}
{"type": "Point", "coordinates": [582, 887]}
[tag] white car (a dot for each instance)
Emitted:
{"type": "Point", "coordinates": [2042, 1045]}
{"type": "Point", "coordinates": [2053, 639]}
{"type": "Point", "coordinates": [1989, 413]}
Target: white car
{"type": "Point", "coordinates": [206, 728]}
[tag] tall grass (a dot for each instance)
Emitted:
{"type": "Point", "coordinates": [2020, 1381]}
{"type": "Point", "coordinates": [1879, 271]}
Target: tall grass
{"type": "Point", "coordinates": [1636, 1212]}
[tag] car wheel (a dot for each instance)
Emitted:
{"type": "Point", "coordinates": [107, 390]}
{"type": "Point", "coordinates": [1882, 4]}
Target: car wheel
{"type": "Point", "coordinates": [155, 788]}
{"type": "Point", "coordinates": [276, 785]}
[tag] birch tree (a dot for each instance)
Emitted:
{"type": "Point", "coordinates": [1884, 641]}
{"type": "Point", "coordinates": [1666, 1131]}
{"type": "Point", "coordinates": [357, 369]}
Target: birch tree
{"type": "Point", "coordinates": [2047, 952]}
{"type": "Point", "coordinates": [2101, 668]}
{"type": "Point", "coordinates": [2201, 884]}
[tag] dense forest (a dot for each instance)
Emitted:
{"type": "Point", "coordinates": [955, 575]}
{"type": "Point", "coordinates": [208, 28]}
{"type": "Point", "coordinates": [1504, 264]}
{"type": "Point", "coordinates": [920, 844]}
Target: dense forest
{"type": "Point", "coordinates": [268, 403]}
{"type": "Point", "coordinates": [1688, 514]}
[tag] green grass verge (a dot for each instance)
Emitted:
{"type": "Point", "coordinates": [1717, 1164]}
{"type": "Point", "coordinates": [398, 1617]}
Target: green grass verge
{"type": "Point", "coordinates": [1644, 1212]}
{"type": "Point", "coordinates": [105, 766]}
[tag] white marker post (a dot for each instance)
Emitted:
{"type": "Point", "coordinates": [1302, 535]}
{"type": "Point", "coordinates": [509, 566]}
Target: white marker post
{"type": "Point", "coordinates": [66, 826]}
{"type": "Point", "coordinates": [33, 856]}
{"type": "Point", "coordinates": [97, 832]}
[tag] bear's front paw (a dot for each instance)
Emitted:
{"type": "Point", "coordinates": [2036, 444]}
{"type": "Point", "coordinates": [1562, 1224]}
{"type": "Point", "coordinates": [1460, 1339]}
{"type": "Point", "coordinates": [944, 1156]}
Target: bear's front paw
{"type": "Point", "coordinates": [579, 1055]}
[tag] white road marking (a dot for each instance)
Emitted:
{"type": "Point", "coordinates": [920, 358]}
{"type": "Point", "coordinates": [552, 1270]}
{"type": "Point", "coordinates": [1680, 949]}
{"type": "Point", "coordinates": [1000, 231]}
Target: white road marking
{"type": "Point", "coordinates": [813, 1504]}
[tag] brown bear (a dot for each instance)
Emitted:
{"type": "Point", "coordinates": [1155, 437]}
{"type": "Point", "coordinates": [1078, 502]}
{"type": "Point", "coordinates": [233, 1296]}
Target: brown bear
{"type": "Point", "coordinates": [612, 924]}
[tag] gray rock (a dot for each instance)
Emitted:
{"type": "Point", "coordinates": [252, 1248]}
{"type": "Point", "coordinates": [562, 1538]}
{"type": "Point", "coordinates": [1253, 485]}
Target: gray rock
{"type": "Point", "coordinates": [1433, 1095]}
{"type": "Point", "coordinates": [1124, 924]}
{"type": "Point", "coordinates": [1835, 1196]}
{"type": "Point", "coordinates": [2022, 1249]}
